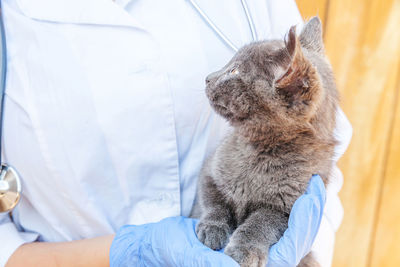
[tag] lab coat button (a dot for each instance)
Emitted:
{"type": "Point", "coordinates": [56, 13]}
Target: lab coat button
{"type": "Point", "coordinates": [165, 198]}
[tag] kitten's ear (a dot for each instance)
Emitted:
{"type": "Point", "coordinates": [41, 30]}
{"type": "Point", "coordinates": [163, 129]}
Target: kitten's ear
{"type": "Point", "coordinates": [292, 41]}
{"type": "Point", "coordinates": [292, 80]}
{"type": "Point", "coordinates": [311, 35]}
{"type": "Point", "coordinates": [297, 84]}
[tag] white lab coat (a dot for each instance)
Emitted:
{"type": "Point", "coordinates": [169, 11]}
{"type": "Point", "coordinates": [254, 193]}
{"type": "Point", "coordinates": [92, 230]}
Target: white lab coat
{"type": "Point", "coordinates": [106, 119]}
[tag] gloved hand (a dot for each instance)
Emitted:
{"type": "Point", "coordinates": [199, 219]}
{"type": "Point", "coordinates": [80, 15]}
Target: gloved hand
{"type": "Point", "coordinates": [170, 242]}
{"type": "Point", "coordinates": [304, 220]}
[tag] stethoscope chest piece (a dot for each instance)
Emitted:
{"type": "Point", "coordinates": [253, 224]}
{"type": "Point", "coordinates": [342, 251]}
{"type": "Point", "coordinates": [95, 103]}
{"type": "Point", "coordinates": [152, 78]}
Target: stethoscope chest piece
{"type": "Point", "coordinates": [10, 188]}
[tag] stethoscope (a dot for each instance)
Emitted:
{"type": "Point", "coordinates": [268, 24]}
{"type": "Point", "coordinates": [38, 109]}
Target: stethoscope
{"type": "Point", "coordinates": [10, 183]}
{"type": "Point", "coordinates": [218, 32]}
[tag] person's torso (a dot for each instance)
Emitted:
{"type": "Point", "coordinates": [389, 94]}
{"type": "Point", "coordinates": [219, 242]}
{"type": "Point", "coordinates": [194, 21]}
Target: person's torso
{"type": "Point", "coordinates": [106, 118]}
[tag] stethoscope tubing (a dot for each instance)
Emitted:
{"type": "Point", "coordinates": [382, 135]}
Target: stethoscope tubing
{"type": "Point", "coordinates": [218, 32]}
{"type": "Point", "coordinates": [2, 75]}
{"type": "Point", "coordinates": [249, 20]}
{"type": "Point", "coordinates": [10, 183]}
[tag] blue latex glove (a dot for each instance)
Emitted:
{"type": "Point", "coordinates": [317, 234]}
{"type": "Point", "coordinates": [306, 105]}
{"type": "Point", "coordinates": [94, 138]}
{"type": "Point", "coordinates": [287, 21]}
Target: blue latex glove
{"type": "Point", "coordinates": [304, 220]}
{"type": "Point", "coordinates": [170, 242]}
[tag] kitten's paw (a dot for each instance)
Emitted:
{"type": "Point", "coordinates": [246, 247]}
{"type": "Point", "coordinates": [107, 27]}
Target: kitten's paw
{"type": "Point", "coordinates": [213, 234]}
{"type": "Point", "coordinates": [247, 256]}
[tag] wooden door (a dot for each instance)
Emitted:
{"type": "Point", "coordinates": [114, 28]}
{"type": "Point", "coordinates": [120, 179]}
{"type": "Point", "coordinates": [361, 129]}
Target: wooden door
{"type": "Point", "coordinates": [362, 39]}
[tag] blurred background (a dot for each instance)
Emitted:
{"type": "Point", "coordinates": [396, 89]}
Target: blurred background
{"type": "Point", "coordinates": [362, 39]}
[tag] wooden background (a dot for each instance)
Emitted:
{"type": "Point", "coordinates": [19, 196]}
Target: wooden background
{"type": "Point", "coordinates": [362, 39]}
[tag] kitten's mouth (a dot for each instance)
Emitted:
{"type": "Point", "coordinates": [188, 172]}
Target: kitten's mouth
{"type": "Point", "coordinates": [218, 107]}
{"type": "Point", "coordinates": [222, 110]}
{"type": "Point", "coordinates": [214, 102]}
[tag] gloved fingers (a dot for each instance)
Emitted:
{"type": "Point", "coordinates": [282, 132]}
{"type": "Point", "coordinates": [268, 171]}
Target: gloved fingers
{"type": "Point", "coordinates": [218, 259]}
{"type": "Point", "coordinates": [171, 236]}
{"type": "Point", "coordinates": [297, 240]}
{"type": "Point", "coordinates": [175, 239]}
{"type": "Point", "coordinates": [316, 187]}
{"type": "Point", "coordinates": [170, 242]}
{"type": "Point", "coordinates": [304, 221]}
{"type": "Point", "coordinates": [203, 256]}
{"type": "Point", "coordinates": [278, 256]}
{"type": "Point", "coordinates": [129, 234]}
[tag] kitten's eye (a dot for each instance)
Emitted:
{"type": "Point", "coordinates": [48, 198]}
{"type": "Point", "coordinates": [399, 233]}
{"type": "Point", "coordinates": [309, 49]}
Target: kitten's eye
{"type": "Point", "coordinates": [234, 71]}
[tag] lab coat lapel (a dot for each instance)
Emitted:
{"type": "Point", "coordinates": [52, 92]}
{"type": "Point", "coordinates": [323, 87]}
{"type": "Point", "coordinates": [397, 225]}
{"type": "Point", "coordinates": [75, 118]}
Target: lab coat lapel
{"type": "Point", "coordinates": [98, 12]}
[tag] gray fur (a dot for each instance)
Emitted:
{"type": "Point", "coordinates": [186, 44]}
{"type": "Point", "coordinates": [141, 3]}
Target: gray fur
{"type": "Point", "coordinates": [307, 38]}
{"type": "Point", "coordinates": [280, 98]}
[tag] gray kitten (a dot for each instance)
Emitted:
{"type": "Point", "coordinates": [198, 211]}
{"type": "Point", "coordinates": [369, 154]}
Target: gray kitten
{"type": "Point", "coordinates": [280, 98]}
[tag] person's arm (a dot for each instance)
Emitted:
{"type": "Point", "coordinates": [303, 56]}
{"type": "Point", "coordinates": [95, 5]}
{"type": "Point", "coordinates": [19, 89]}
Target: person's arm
{"type": "Point", "coordinates": [169, 242]}
{"type": "Point", "coordinates": [85, 252]}
{"type": "Point", "coordinates": [11, 238]}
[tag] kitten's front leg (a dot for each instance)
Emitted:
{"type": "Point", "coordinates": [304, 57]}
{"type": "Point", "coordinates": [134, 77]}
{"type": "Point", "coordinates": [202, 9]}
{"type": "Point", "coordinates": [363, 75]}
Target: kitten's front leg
{"type": "Point", "coordinates": [250, 242]}
{"type": "Point", "coordinates": [213, 230]}
{"type": "Point", "coordinates": [216, 221]}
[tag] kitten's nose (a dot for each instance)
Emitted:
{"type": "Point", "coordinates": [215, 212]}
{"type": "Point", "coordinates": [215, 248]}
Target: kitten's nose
{"type": "Point", "coordinates": [212, 77]}
{"type": "Point", "coordinates": [208, 79]}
